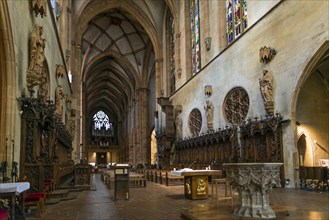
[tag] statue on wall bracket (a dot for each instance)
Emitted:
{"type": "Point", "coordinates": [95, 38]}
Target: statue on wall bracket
{"type": "Point", "coordinates": [266, 88]}
{"type": "Point", "coordinates": [209, 107]}
{"type": "Point", "coordinates": [59, 96]}
{"type": "Point", "coordinates": [37, 58]}
{"type": "Point", "coordinates": [179, 122]}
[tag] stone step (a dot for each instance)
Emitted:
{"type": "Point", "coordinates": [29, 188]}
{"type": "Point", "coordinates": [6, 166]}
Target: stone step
{"type": "Point", "coordinates": [53, 201]}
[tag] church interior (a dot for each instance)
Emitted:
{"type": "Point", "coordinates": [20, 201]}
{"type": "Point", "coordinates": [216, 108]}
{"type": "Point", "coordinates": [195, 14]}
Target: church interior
{"type": "Point", "coordinates": [164, 109]}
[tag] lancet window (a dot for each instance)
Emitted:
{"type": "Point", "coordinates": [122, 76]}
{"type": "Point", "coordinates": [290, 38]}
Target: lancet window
{"type": "Point", "coordinates": [171, 52]}
{"type": "Point", "coordinates": [195, 36]}
{"type": "Point", "coordinates": [236, 18]}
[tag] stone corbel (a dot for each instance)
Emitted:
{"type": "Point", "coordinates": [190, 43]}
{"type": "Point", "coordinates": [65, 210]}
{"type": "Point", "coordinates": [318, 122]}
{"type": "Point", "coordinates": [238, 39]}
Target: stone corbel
{"type": "Point", "coordinates": [208, 43]}
{"type": "Point", "coordinates": [68, 102]}
{"type": "Point", "coordinates": [60, 71]}
{"type": "Point", "coordinates": [266, 54]}
{"type": "Point", "coordinates": [39, 7]}
{"type": "Point", "coordinates": [208, 90]}
{"type": "Point", "coordinates": [179, 72]}
{"type": "Point", "coordinates": [179, 109]}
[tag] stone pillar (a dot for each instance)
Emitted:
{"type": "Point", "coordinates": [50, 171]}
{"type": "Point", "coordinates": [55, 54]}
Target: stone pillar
{"type": "Point", "coordinates": [168, 135]}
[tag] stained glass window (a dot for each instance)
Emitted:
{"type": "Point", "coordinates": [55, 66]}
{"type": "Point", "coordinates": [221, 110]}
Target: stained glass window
{"type": "Point", "coordinates": [195, 36]}
{"type": "Point", "coordinates": [236, 18]}
{"type": "Point", "coordinates": [101, 124]}
{"type": "Point", "coordinates": [52, 3]}
{"type": "Point", "coordinates": [171, 42]}
{"type": "Point", "coordinates": [57, 10]}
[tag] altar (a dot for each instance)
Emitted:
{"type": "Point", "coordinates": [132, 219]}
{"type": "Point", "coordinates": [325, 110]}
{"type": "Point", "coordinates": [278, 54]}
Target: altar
{"type": "Point", "coordinates": [196, 182]}
{"type": "Point", "coordinates": [12, 190]}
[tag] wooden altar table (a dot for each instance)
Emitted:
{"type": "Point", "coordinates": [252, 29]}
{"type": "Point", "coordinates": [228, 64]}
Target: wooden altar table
{"type": "Point", "coordinates": [12, 190]}
{"type": "Point", "coordinates": [196, 182]}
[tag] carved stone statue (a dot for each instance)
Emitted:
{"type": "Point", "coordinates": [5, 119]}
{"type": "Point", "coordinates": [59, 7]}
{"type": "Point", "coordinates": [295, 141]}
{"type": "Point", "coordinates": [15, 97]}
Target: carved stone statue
{"type": "Point", "coordinates": [179, 126]}
{"type": "Point", "coordinates": [209, 107]}
{"type": "Point", "coordinates": [179, 122]}
{"type": "Point", "coordinates": [37, 57]}
{"type": "Point", "coordinates": [59, 96]}
{"type": "Point", "coordinates": [266, 88]}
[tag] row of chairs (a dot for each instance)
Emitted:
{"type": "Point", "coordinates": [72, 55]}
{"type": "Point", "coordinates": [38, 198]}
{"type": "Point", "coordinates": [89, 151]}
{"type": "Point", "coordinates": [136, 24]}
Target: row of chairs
{"type": "Point", "coordinates": [38, 199]}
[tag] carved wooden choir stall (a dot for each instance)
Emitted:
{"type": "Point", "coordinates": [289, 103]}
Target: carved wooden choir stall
{"type": "Point", "coordinates": [46, 145]}
{"type": "Point", "coordinates": [257, 140]}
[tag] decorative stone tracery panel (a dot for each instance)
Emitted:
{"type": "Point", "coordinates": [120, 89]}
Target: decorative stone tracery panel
{"type": "Point", "coordinates": [236, 105]}
{"type": "Point", "coordinates": [195, 122]}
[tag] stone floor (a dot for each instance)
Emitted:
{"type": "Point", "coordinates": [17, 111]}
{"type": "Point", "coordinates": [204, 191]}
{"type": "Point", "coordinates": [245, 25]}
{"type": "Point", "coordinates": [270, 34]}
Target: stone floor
{"type": "Point", "coordinates": [159, 202]}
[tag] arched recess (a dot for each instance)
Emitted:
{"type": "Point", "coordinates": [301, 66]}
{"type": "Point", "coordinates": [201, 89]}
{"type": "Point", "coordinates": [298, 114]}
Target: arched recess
{"type": "Point", "coordinates": [305, 152]}
{"type": "Point", "coordinates": [8, 103]}
{"type": "Point", "coordinates": [310, 107]}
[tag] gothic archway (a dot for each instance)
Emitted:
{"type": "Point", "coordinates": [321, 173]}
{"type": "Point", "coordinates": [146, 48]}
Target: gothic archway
{"type": "Point", "coordinates": [311, 104]}
{"type": "Point", "coordinates": [8, 108]}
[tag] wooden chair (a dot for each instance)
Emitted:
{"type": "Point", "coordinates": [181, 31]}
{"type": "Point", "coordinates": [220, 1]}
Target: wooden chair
{"type": "Point", "coordinates": [3, 214]}
{"type": "Point", "coordinates": [3, 210]}
{"type": "Point", "coordinates": [227, 190]}
{"type": "Point", "coordinates": [37, 199]}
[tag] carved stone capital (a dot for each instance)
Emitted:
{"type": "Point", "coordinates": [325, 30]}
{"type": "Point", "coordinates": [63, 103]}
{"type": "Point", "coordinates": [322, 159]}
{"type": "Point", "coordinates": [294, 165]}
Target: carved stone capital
{"type": "Point", "coordinates": [266, 54]}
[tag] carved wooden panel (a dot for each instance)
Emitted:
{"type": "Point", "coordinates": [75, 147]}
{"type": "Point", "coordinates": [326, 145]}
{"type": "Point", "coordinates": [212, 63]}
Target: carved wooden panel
{"type": "Point", "coordinates": [236, 105]}
{"type": "Point", "coordinates": [259, 141]}
{"type": "Point", "coordinates": [195, 122]}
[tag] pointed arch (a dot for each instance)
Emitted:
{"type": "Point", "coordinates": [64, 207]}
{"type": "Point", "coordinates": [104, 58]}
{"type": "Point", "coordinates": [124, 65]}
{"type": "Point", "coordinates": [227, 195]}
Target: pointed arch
{"type": "Point", "coordinates": [8, 108]}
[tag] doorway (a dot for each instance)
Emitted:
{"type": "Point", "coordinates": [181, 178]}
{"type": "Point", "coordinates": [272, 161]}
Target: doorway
{"type": "Point", "coordinates": [101, 158]}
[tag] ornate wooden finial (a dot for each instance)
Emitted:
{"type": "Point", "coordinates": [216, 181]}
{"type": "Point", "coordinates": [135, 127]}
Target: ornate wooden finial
{"type": "Point", "coordinates": [266, 54]}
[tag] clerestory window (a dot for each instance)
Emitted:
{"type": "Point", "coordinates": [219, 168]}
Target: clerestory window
{"type": "Point", "coordinates": [236, 19]}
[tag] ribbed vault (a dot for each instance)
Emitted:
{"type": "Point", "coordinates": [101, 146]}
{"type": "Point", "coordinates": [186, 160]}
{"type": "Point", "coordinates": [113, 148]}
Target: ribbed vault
{"type": "Point", "coordinates": [113, 48]}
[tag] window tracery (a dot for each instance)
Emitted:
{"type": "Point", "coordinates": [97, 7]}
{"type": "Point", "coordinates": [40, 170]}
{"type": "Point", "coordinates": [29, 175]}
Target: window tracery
{"type": "Point", "coordinates": [236, 105]}
{"type": "Point", "coordinates": [195, 122]}
{"type": "Point", "coordinates": [101, 125]}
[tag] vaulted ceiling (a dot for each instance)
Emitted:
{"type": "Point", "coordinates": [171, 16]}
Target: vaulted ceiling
{"type": "Point", "coordinates": [114, 49]}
